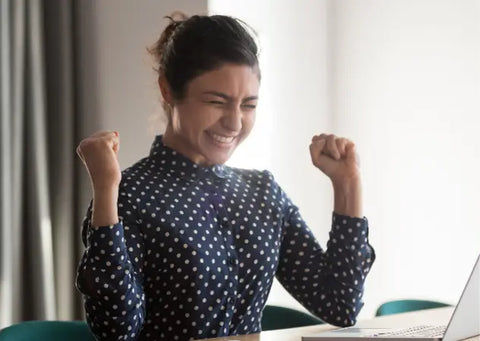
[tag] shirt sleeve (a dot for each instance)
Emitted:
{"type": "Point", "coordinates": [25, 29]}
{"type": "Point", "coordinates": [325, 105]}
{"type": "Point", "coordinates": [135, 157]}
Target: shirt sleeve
{"type": "Point", "coordinates": [329, 283]}
{"type": "Point", "coordinates": [110, 276]}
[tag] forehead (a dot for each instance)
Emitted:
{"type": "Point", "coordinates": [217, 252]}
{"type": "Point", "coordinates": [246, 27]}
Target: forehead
{"type": "Point", "coordinates": [231, 79]}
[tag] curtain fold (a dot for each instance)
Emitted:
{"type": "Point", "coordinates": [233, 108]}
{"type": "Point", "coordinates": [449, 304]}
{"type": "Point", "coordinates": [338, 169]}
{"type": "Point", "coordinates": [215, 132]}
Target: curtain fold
{"type": "Point", "coordinates": [17, 117]}
{"type": "Point", "coordinates": [11, 76]}
{"type": "Point", "coordinates": [39, 233]}
{"type": "Point", "coordinates": [65, 188]}
{"type": "Point", "coordinates": [39, 210]}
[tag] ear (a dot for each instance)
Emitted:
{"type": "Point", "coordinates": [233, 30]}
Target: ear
{"type": "Point", "coordinates": [165, 90]}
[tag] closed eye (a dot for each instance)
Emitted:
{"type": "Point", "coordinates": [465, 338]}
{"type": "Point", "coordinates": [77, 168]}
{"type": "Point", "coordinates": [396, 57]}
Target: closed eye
{"type": "Point", "coordinates": [249, 106]}
{"type": "Point", "coordinates": [216, 102]}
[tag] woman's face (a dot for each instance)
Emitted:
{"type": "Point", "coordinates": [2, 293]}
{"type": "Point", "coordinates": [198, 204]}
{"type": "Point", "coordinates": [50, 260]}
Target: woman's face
{"type": "Point", "coordinates": [216, 114]}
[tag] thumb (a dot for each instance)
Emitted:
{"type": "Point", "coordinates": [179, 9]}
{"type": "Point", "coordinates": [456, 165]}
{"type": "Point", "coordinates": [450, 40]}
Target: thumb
{"type": "Point", "coordinates": [319, 159]}
{"type": "Point", "coordinates": [351, 153]}
{"type": "Point", "coordinates": [316, 147]}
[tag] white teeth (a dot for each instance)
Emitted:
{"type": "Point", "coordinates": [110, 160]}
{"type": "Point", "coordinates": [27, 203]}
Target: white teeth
{"type": "Point", "coordinates": [223, 139]}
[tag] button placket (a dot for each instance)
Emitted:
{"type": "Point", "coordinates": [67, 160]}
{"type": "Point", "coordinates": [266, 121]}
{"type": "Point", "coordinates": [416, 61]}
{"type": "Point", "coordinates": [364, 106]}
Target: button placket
{"type": "Point", "coordinates": [228, 238]}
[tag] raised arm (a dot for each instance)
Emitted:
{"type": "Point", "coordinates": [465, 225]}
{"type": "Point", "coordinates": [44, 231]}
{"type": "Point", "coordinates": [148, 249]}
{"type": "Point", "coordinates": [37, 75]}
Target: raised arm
{"type": "Point", "coordinates": [110, 274]}
{"type": "Point", "coordinates": [329, 282]}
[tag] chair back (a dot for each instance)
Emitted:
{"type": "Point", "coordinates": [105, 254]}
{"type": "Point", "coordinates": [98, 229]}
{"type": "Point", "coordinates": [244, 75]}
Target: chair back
{"type": "Point", "coordinates": [47, 330]}
{"type": "Point", "coordinates": [275, 317]}
{"type": "Point", "coordinates": [403, 306]}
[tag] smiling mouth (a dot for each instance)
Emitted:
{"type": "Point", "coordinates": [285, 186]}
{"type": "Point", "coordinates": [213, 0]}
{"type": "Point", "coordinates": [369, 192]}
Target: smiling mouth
{"type": "Point", "coordinates": [225, 140]}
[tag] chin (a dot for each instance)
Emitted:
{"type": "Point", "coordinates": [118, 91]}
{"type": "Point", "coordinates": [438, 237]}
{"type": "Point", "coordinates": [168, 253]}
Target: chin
{"type": "Point", "coordinates": [213, 156]}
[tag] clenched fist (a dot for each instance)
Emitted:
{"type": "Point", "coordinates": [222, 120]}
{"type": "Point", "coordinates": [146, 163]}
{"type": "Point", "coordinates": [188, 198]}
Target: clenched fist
{"type": "Point", "coordinates": [336, 157]}
{"type": "Point", "coordinates": [99, 153]}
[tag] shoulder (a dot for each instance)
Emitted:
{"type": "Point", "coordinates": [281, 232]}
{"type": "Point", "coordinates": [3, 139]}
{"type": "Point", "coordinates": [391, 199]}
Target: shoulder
{"type": "Point", "coordinates": [137, 170]}
{"type": "Point", "coordinates": [135, 179]}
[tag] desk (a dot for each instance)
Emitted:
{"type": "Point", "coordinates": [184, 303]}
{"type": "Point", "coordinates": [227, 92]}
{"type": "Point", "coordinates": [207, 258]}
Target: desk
{"type": "Point", "coordinates": [438, 316]}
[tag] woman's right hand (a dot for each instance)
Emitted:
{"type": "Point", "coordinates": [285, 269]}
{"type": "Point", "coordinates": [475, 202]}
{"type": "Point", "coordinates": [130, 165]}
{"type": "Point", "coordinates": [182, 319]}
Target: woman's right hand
{"type": "Point", "coordinates": [99, 153]}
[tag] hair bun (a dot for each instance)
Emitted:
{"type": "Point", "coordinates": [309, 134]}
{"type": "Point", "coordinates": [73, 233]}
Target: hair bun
{"type": "Point", "coordinates": [157, 50]}
{"type": "Point", "coordinates": [177, 16]}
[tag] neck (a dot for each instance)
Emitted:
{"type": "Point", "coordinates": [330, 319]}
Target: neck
{"type": "Point", "coordinates": [177, 142]}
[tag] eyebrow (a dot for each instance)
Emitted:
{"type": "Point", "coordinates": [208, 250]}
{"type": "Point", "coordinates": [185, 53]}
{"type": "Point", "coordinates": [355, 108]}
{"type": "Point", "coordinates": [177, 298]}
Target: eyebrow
{"type": "Point", "coordinates": [228, 98]}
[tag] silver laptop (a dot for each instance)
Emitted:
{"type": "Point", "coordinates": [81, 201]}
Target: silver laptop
{"type": "Point", "coordinates": [464, 323]}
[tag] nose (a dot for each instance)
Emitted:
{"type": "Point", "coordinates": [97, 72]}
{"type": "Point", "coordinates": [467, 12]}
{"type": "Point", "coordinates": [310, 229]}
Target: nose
{"type": "Point", "coordinates": [232, 118]}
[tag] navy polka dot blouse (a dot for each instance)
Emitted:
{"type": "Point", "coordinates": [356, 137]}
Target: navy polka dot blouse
{"type": "Point", "coordinates": [197, 248]}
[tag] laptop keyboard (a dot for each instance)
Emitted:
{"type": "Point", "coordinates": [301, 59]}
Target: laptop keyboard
{"type": "Point", "coordinates": [419, 331]}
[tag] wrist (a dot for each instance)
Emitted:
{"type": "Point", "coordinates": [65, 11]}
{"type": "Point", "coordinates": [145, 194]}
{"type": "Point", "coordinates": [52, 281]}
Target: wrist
{"type": "Point", "coordinates": [106, 192]}
{"type": "Point", "coordinates": [348, 197]}
{"type": "Point", "coordinates": [347, 185]}
{"type": "Point", "coordinates": [100, 186]}
{"type": "Point", "coordinates": [105, 211]}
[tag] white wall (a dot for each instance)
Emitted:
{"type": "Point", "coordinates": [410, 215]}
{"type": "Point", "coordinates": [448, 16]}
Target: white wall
{"type": "Point", "coordinates": [402, 79]}
{"type": "Point", "coordinates": [406, 86]}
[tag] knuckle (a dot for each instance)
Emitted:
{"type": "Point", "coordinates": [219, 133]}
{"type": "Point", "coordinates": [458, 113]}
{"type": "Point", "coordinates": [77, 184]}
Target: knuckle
{"type": "Point", "coordinates": [91, 144]}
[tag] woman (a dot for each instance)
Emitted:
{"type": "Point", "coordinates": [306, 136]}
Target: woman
{"type": "Point", "coordinates": [180, 246]}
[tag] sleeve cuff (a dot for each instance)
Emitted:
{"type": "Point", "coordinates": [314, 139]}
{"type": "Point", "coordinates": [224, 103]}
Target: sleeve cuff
{"type": "Point", "coordinates": [109, 239]}
{"type": "Point", "coordinates": [349, 230]}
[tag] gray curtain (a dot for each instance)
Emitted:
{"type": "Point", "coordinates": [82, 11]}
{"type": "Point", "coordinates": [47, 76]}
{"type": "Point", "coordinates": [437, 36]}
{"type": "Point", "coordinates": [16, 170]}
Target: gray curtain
{"type": "Point", "coordinates": [40, 185]}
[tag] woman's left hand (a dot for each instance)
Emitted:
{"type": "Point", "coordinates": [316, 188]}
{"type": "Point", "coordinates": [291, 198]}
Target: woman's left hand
{"type": "Point", "coordinates": [335, 157]}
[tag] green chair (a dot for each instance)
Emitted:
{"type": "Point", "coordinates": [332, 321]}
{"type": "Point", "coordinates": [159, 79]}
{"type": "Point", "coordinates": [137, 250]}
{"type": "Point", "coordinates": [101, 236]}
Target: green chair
{"type": "Point", "coordinates": [275, 317]}
{"type": "Point", "coordinates": [47, 330]}
{"type": "Point", "coordinates": [403, 306]}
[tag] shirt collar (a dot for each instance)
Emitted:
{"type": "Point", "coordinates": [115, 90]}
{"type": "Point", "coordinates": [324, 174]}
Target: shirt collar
{"type": "Point", "coordinates": [172, 161]}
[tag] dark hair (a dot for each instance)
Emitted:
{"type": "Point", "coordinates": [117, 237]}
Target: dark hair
{"type": "Point", "coordinates": [191, 46]}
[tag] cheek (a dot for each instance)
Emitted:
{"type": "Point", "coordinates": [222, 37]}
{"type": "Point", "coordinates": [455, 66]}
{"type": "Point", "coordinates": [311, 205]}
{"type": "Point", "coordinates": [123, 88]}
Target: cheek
{"type": "Point", "coordinates": [249, 121]}
{"type": "Point", "coordinates": [198, 117]}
